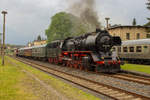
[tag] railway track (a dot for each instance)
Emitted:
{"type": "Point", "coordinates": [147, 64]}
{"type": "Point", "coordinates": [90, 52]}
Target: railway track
{"type": "Point", "coordinates": [128, 77]}
{"type": "Point", "coordinates": [106, 90]}
{"type": "Point", "coordinates": [133, 78]}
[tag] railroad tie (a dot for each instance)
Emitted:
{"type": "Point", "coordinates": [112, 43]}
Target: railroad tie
{"type": "Point", "coordinates": [127, 97]}
{"type": "Point", "coordinates": [103, 88]}
{"type": "Point", "coordinates": [106, 91]}
{"type": "Point", "coordinates": [137, 99]}
{"type": "Point", "coordinates": [118, 95]}
{"type": "Point", "coordinates": [111, 93]}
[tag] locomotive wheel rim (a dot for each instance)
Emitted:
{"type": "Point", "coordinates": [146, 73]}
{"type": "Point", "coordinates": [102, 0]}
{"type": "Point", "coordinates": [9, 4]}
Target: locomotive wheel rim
{"type": "Point", "coordinates": [64, 63]}
{"type": "Point", "coordinates": [86, 69]}
{"type": "Point", "coordinates": [56, 61]}
{"type": "Point", "coordinates": [67, 64]}
{"type": "Point", "coordinates": [75, 65]}
{"type": "Point", "coordinates": [70, 65]}
{"type": "Point", "coordinates": [96, 70]}
{"type": "Point", "coordinates": [80, 67]}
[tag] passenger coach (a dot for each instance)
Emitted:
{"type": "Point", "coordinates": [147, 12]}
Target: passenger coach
{"type": "Point", "coordinates": [135, 51]}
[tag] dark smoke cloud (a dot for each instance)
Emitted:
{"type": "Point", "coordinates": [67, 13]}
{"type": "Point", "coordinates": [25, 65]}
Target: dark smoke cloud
{"type": "Point", "coordinates": [84, 9]}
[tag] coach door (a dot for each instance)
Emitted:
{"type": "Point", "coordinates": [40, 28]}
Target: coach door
{"type": "Point", "coordinates": [145, 49]}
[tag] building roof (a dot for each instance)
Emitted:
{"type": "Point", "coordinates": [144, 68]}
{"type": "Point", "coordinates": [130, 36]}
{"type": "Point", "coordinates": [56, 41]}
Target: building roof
{"type": "Point", "coordinates": [39, 40]}
{"type": "Point", "coordinates": [136, 42]}
{"type": "Point", "coordinates": [128, 26]}
{"type": "Point", "coordinates": [39, 46]}
{"type": "Point", "coordinates": [24, 48]}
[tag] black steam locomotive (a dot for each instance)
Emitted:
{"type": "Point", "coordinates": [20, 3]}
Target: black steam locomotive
{"type": "Point", "coordinates": [91, 51]}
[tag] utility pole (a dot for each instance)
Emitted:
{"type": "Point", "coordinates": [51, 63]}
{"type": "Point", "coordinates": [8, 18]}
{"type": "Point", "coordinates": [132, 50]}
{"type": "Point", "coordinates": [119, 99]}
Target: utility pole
{"type": "Point", "coordinates": [3, 49]}
{"type": "Point", "coordinates": [1, 43]}
{"type": "Point", "coordinates": [107, 24]}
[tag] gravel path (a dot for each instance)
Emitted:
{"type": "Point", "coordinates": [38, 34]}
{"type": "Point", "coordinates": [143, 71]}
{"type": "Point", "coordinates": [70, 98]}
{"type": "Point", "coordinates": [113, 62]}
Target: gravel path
{"type": "Point", "coordinates": [39, 88]}
{"type": "Point", "coordinates": [48, 88]}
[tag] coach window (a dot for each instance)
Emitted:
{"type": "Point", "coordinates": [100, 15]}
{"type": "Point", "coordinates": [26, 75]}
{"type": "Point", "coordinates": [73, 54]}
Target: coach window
{"type": "Point", "coordinates": [138, 35]}
{"type": "Point", "coordinates": [125, 49]}
{"type": "Point", "coordinates": [147, 35]}
{"type": "Point", "coordinates": [114, 49]}
{"type": "Point", "coordinates": [131, 49]}
{"type": "Point", "coordinates": [138, 49]}
{"type": "Point", "coordinates": [145, 47]}
{"type": "Point", "coordinates": [128, 36]}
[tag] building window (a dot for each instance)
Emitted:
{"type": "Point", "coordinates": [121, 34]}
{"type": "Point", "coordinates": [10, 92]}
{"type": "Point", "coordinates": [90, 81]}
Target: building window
{"type": "Point", "coordinates": [138, 35]}
{"type": "Point", "coordinates": [125, 49]}
{"type": "Point", "coordinates": [138, 49]}
{"type": "Point", "coordinates": [128, 36]}
{"type": "Point", "coordinates": [131, 49]}
{"type": "Point", "coordinates": [147, 35]}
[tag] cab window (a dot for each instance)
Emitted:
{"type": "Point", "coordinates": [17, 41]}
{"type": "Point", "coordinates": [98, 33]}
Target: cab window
{"type": "Point", "coordinates": [114, 48]}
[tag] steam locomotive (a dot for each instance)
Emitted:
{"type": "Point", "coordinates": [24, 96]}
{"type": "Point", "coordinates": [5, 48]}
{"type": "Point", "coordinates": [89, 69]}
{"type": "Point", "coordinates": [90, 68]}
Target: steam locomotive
{"type": "Point", "coordinates": [90, 51]}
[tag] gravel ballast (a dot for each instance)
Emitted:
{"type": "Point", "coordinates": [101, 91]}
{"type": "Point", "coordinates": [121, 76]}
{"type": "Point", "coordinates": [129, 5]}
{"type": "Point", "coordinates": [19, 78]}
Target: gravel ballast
{"type": "Point", "coordinates": [123, 84]}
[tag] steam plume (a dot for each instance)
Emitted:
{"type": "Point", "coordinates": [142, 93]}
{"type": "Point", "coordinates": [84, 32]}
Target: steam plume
{"type": "Point", "coordinates": [84, 9]}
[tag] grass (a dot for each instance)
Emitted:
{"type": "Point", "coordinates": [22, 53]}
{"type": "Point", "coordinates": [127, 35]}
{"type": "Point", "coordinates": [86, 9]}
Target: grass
{"type": "Point", "coordinates": [66, 89]}
{"type": "Point", "coordinates": [10, 87]}
{"type": "Point", "coordinates": [138, 68]}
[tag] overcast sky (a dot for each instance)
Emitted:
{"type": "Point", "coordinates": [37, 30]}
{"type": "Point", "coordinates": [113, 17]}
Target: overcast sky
{"type": "Point", "coordinates": [26, 19]}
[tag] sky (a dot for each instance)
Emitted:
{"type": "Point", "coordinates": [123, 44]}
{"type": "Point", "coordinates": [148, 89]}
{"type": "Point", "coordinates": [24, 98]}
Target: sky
{"type": "Point", "coordinates": [26, 19]}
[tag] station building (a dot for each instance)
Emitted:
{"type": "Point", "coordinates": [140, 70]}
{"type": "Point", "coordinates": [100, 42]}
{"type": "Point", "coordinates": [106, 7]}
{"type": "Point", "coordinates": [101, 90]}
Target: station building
{"type": "Point", "coordinates": [36, 43]}
{"type": "Point", "coordinates": [130, 32]}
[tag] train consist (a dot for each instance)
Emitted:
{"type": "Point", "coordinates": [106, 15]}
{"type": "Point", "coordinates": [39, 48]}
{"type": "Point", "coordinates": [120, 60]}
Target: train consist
{"type": "Point", "coordinates": [91, 51]}
{"type": "Point", "coordinates": [135, 51]}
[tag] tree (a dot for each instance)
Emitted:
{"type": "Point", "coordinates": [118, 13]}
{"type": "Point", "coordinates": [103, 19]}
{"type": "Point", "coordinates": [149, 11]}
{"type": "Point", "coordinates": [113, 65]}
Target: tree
{"type": "Point", "coordinates": [134, 22]}
{"type": "Point", "coordinates": [148, 4]}
{"type": "Point", "coordinates": [148, 7]}
{"type": "Point", "coordinates": [64, 25]}
{"type": "Point", "coordinates": [148, 23]}
{"type": "Point", "coordinates": [39, 38]}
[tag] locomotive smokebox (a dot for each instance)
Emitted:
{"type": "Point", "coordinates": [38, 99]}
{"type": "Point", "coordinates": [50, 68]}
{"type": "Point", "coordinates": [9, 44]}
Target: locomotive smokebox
{"type": "Point", "coordinates": [116, 41]}
{"type": "Point", "coordinates": [103, 41]}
